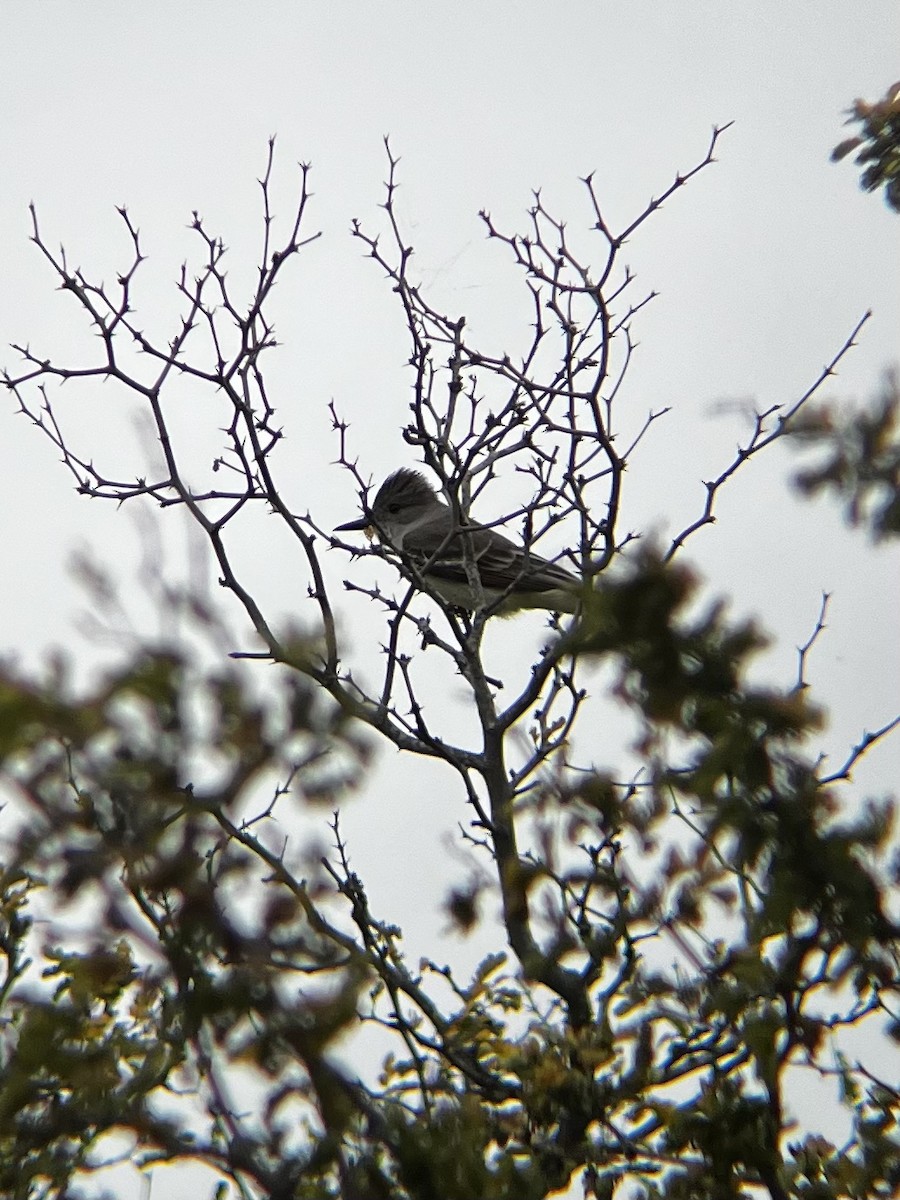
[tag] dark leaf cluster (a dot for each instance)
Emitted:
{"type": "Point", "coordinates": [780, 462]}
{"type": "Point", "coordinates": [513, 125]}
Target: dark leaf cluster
{"type": "Point", "coordinates": [859, 458]}
{"type": "Point", "coordinates": [877, 144]}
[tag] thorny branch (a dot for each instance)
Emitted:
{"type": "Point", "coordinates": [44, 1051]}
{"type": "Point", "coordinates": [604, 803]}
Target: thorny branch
{"type": "Point", "coordinates": [768, 427]}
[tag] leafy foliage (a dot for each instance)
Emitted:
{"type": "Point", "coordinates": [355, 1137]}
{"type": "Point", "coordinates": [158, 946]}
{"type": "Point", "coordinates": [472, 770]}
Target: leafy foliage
{"type": "Point", "coordinates": [878, 143]}
{"type": "Point", "coordinates": [121, 884]}
{"type": "Point", "coordinates": [143, 988]}
{"type": "Point", "coordinates": [862, 460]}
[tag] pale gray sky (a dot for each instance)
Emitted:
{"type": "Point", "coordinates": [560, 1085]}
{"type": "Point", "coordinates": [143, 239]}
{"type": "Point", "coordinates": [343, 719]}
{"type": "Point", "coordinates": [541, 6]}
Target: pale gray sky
{"type": "Point", "coordinates": [763, 266]}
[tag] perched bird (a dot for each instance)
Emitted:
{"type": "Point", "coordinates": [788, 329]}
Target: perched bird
{"type": "Point", "coordinates": [409, 516]}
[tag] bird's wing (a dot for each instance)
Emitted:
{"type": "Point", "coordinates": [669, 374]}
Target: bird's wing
{"type": "Point", "coordinates": [499, 561]}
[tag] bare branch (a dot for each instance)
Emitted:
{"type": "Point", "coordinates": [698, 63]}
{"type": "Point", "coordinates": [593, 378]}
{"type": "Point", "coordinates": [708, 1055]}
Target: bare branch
{"type": "Point", "coordinates": [803, 651]}
{"type": "Point", "coordinates": [763, 435]}
{"type": "Point", "coordinates": [866, 742]}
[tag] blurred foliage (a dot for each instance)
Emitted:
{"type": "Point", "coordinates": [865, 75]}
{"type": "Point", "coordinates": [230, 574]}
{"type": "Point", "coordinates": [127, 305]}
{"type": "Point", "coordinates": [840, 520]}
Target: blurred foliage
{"type": "Point", "coordinates": [178, 971]}
{"type": "Point", "coordinates": [861, 457]}
{"type": "Point", "coordinates": [877, 143]}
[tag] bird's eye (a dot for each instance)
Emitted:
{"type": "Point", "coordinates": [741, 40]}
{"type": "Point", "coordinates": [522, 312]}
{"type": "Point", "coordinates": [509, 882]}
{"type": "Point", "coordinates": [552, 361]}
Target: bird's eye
{"type": "Point", "coordinates": [393, 508]}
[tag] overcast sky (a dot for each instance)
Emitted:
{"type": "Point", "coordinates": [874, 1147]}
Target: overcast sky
{"type": "Point", "coordinates": [763, 266]}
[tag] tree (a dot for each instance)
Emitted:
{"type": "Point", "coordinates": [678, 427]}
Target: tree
{"type": "Point", "coordinates": [675, 940]}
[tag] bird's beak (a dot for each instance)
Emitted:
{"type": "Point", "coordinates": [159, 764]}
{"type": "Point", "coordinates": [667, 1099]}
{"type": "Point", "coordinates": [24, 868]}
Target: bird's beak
{"type": "Point", "coordinates": [364, 523]}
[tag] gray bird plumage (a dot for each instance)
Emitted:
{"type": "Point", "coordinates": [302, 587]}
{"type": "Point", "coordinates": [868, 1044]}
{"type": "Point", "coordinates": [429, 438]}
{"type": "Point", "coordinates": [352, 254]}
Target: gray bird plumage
{"type": "Point", "coordinates": [409, 516]}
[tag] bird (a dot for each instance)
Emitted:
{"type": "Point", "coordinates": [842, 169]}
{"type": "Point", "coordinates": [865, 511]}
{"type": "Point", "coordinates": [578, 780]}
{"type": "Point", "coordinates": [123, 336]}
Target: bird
{"type": "Point", "coordinates": [409, 517]}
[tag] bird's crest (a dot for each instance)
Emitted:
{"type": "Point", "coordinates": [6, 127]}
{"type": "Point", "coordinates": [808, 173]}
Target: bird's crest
{"type": "Point", "coordinates": [405, 487]}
